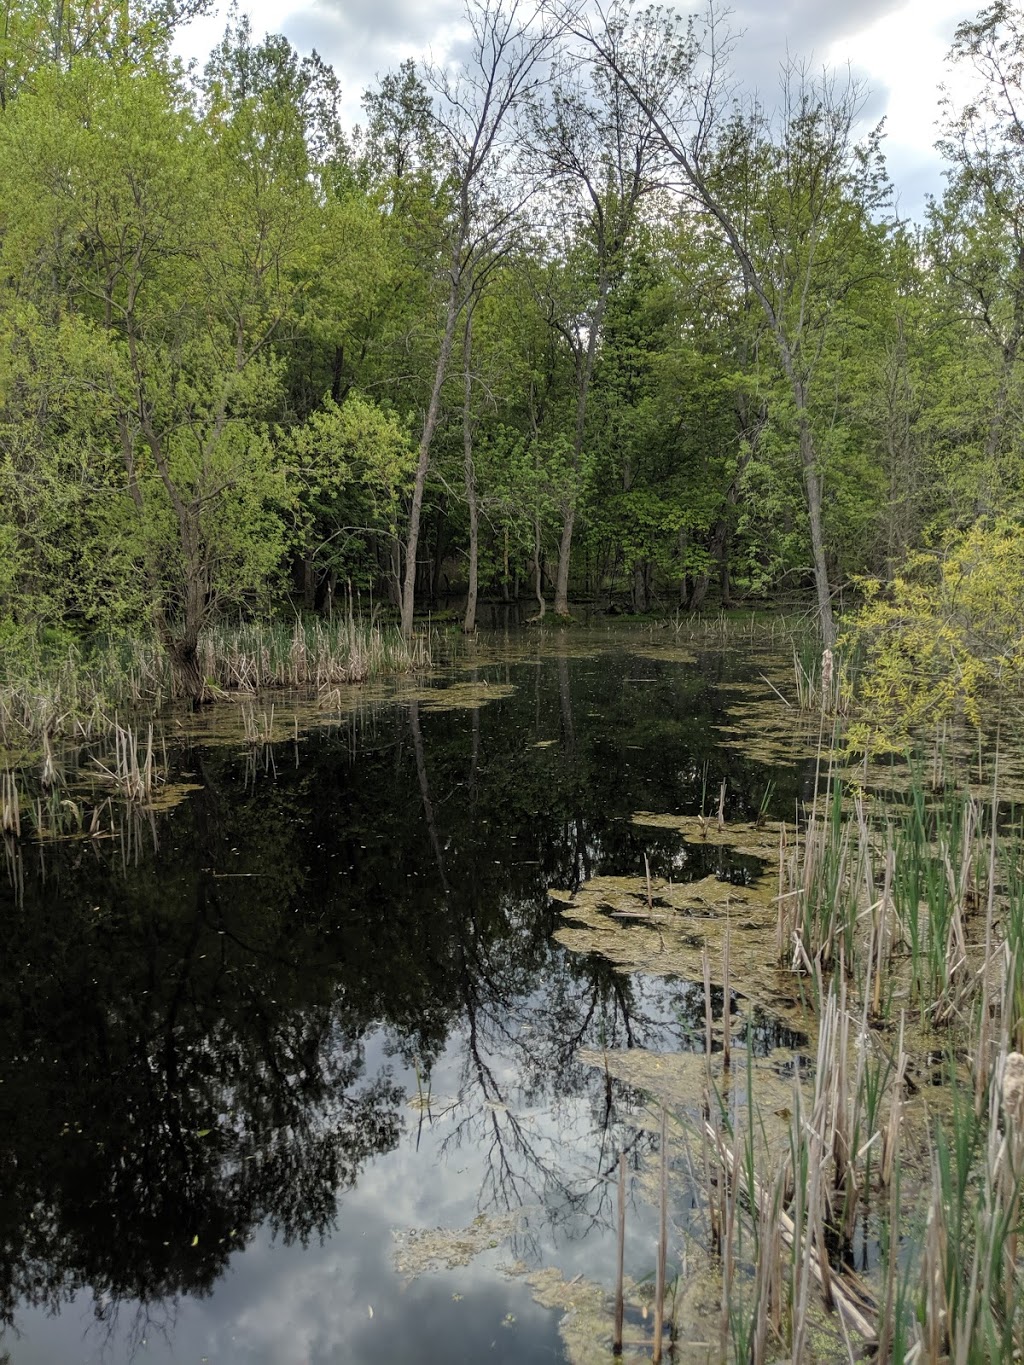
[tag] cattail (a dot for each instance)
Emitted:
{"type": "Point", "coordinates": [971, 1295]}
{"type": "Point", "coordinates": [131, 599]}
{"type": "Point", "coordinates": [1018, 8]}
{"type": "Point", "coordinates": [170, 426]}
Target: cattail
{"type": "Point", "coordinates": [1013, 1091]}
{"type": "Point", "coordinates": [826, 677]}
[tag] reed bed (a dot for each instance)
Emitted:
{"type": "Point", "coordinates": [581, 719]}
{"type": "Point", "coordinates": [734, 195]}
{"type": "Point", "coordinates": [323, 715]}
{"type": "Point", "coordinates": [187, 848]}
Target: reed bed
{"type": "Point", "coordinates": [81, 693]}
{"type": "Point", "coordinates": [901, 1148]}
{"type": "Point", "coordinates": [919, 913]}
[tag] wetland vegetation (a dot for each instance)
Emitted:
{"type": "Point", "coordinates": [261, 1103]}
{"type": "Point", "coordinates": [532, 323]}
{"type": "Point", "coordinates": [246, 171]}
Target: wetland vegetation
{"type": "Point", "coordinates": [568, 909]}
{"type": "Point", "coordinates": [457, 983]}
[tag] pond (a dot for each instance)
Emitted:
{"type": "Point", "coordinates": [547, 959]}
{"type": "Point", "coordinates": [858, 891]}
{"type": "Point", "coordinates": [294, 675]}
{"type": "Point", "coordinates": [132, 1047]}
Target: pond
{"type": "Point", "coordinates": [300, 1068]}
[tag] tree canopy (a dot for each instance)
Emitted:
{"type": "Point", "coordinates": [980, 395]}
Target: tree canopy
{"type": "Point", "coordinates": [570, 318]}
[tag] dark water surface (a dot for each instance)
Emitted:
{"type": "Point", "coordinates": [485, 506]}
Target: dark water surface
{"type": "Point", "coordinates": [318, 1004]}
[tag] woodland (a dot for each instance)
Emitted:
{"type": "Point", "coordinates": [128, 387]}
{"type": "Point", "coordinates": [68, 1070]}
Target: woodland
{"type": "Point", "coordinates": [573, 318]}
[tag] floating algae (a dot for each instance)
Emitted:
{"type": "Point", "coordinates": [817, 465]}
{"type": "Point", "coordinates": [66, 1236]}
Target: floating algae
{"type": "Point", "coordinates": [588, 1311]}
{"type": "Point", "coordinates": [664, 928]}
{"type": "Point", "coordinates": [419, 1250]}
{"type": "Point", "coordinates": [753, 840]}
{"type": "Point", "coordinates": [460, 696]}
{"type": "Point", "coordinates": [172, 794]}
{"type": "Point", "coordinates": [767, 731]}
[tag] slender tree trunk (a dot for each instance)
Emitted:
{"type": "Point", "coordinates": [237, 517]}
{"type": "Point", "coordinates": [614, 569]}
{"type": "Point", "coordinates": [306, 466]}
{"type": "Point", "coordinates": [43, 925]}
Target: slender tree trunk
{"type": "Point", "coordinates": [812, 485]}
{"type": "Point", "coordinates": [504, 567]}
{"type": "Point", "coordinates": [538, 570]}
{"type": "Point", "coordinates": [584, 377]}
{"type": "Point", "coordinates": [308, 580]}
{"type": "Point", "coordinates": [423, 460]}
{"type": "Point", "coordinates": [394, 571]}
{"type": "Point", "coordinates": [564, 556]}
{"type": "Point", "coordinates": [469, 624]}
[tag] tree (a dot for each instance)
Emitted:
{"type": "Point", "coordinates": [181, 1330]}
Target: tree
{"type": "Point", "coordinates": [475, 106]}
{"type": "Point", "coordinates": [603, 155]}
{"type": "Point", "coordinates": [976, 235]}
{"type": "Point", "coordinates": [354, 461]}
{"type": "Point", "coordinates": [790, 191]}
{"type": "Point", "coordinates": [944, 640]}
{"type": "Point", "coordinates": [181, 245]}
{"type": "Point", "coordinates": [36, 36]}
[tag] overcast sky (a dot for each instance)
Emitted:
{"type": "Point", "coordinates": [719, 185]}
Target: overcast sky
{"type": "Point", "coordinates": [898, 48]}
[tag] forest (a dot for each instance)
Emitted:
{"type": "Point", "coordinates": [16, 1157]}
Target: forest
{"type": "Point", "coordinates": [571, 319]}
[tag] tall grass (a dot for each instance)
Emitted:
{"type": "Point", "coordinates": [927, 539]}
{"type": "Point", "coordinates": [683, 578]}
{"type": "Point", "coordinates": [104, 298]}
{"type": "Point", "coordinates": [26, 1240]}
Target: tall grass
{"type": "Point", "coordinates": [929, 899]}
{"type": "Point", "coordinates": [79, 692]}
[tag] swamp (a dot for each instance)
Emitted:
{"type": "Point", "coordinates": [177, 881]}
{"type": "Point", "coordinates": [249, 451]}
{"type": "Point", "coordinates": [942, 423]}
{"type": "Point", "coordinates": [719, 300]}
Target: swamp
{"type": "Point", "coordinates": [576, 981]}
{"type": "Point", "coordinates": [511, 675]}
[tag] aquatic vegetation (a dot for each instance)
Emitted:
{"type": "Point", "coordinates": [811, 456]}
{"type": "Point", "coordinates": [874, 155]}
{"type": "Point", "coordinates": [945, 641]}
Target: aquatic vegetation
{"type": "Point", "coordinates": [133, 769]}
{"type": "Point", "coordinates": [81, 694]}
{"type": "Point", "coordinates": [10, 804]}
{"type": "Point", "coordinates": [420, 1250]}
{"type": "Point", "coordinates": [901, 926]}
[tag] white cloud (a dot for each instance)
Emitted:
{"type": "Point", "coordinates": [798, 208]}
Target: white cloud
{"type": "Point", "coordinates": [903, 57]}
{"type": "Point", "coordinates": [900, 51]}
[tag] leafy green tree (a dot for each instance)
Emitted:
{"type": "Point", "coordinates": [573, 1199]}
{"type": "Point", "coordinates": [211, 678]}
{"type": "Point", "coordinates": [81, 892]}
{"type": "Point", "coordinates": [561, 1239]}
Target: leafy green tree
{"type": "Point", "coordinates": [945, 639]}
{"type": "Point", "coordinates": [181, 244]}
{"type": "Point", "coordinates": [791, 191]}
{"type": "Point", "coordinates": [354, 462]}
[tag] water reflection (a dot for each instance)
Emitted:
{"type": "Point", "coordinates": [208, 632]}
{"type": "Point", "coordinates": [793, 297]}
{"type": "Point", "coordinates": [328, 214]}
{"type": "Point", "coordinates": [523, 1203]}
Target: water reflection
{"type": "Point", "coordinates": [209, 1026]}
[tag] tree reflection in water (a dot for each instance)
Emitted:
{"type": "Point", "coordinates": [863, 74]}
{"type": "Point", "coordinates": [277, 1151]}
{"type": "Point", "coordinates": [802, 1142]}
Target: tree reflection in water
{"type": "Point", "coordinates": [185, 1010]}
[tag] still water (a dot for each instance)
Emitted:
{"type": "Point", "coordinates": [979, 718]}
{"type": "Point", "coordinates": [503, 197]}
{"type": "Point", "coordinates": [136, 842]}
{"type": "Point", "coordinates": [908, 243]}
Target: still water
{"type": "Point", "coordinates": [314, 1008]}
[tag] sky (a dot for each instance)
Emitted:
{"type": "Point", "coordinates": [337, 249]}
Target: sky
{"type": "Point", "coordinates": [898, 49]}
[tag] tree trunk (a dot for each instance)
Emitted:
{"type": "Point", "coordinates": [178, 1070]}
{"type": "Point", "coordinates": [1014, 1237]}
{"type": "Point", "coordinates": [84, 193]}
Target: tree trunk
{"type": "Point", "coordinates": [308, 580]}
{"type": "Point", "coordinates": [538, 570]}
{"type": "Point", "coordinates": [812, 484]}
{"type": "Point", "coordinates": [394, 572]}
{"type": "Point", "coordinates": [181, 635]}
{"type": "Point", "coordinates": [188, 675]}
{"type": "Point", "coordinates": [564, 554]}
{"type": "Point", "coordinates": [423, 458]}
{"type": "Point", "coordinates": [584, 376]}
{"type": "Point", "coordinates": [700, 590]}
{"type": "Point", "coordinates": [469, 623]}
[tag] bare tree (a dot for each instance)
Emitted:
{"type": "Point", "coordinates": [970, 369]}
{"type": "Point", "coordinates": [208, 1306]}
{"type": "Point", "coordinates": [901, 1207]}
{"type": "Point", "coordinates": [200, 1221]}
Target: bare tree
{"type": "Point", "coordinates": [475, 105]}
{"type": "Point", "coordinates": [603, 157]}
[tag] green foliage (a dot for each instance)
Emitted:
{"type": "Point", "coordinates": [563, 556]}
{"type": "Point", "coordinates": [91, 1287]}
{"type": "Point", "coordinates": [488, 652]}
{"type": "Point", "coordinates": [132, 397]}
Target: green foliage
{"type": "Point", "coordinates": [945, 638]}
{"type": "Point", "coordinates": [220, 322]}
{"type": "Point", "coordinates": [354, 462]}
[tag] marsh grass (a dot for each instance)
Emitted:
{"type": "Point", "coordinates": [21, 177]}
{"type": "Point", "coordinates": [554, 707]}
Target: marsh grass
{"type": "Point", "coordinates": [820, 679]}
{"type": "Point", "coordinates": [900, 914]}
{"type": "Point", "coordinates": [10, 804]}
{"type": "Point", "coordinates": [133, 769]}
{"type": "Point", "coordinates": [81, 692]}
{"type": "Point", "coordinates": [913, 910]}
